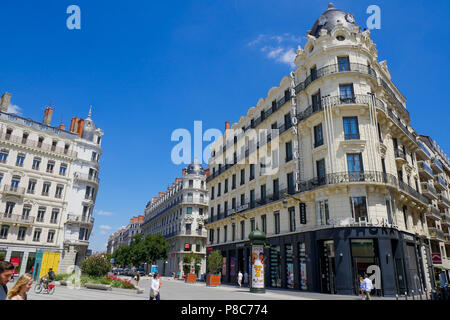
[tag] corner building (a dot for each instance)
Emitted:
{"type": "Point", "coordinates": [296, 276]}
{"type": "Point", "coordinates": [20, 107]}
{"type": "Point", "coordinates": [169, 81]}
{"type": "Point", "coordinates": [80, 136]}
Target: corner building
{"type": "Point", "coordinates": [179, 214]}
{"type": "Point", "coordinates": [346, 151]}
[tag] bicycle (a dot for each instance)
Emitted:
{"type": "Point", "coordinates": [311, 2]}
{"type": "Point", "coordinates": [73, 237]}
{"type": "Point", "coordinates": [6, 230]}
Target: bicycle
{"type": "Point", "coordinates": [41, 288]}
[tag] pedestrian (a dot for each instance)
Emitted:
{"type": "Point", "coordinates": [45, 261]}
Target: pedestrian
{"type": "Point", "coordinates": [155, 288]}
{"type": "Point", "coordinates": [361, 289]}
{"type": "Point", "coordinates": [137, 278]}
{"type": "Point", "coordinates": [367, 286]}
{"type": "Point", "coordinates": [240, 278]}
{"type": "Point", "coordinates": [245, 278]}
{"type": "Point", "coordinates": [22, 286]}
{"type": "Point", "coordinates": [443, 284]}
{"type": "Point", "coordinates": [6, 272]}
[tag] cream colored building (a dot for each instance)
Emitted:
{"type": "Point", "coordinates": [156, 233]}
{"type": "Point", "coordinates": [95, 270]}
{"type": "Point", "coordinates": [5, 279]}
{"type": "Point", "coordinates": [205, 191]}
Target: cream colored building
{"type": "Point", "coordinates": [45, 173]}
{"type": "Point", "coordinates": [434, 171]}
{"type": "Point", "coordinates": [179, 215]}
{"type": "Point", "coordinates": [346, 151]}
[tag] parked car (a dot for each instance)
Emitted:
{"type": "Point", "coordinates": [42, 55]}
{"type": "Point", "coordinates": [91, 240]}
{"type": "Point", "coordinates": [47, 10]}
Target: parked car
{"type": "Point", "coordinates": [117, 271]}
{"type": "Point", "coordinates": [126, 271]}
{"type": "Point", "coordinates": [141, 272]}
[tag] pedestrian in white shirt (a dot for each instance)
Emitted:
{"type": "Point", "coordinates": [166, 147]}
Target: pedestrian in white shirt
{"type": "Point", "coordinates": [155, 287]}
{"type": "Point", "coordinates": [367, 286]}
{"type": "Point", "coordinates": [240, 278]}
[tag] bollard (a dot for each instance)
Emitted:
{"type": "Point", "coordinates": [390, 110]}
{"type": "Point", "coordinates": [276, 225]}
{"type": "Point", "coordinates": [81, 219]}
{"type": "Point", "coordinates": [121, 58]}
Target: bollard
{"type": "Point", "coordinates": [412, 291]}
{"type": "Point", "coordinates": [420, 291]}
{"type": "Point", "coordinates": [406, 295]}
{"type": "Point", "coordinates": [396, 296]}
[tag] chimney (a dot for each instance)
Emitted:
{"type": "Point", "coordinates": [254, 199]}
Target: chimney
{"type": "Point", "coordinates": [62, 126]}
{"type": "Point", "coordinates": [72, 124]}
{"type": "Point", "coordinates": [184, 172]}
{"type": "Point", "coordinates": [154, 199]}
{"type": "Point", "coordinates": [207, 172]}
{"type": "Point", "coordinates": [4, 102]}
{"type": "Point", "coordinates": [227, 125]}
{"type": "Point", "coordinates": [160, 194]}
{"type": "Point", "coordinates": [80, 127]}
{"type": "Point", "coordinates": [48, 116]}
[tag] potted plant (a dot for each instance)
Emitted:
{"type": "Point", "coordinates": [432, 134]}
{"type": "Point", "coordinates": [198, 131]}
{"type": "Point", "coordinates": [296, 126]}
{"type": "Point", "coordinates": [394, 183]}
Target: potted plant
{"type": "Point", "coordinates": [214, 264]}
{"type": "Point", "coordinates": [191, 262]}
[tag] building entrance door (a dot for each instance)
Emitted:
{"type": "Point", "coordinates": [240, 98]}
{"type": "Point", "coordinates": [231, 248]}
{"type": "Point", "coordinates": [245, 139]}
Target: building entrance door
{"type": "Point", "coordinates": [327, 267]}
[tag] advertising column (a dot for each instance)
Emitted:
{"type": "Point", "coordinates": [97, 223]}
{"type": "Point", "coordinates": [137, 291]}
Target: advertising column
{"type": "Point", "coordinates": [257, 244]}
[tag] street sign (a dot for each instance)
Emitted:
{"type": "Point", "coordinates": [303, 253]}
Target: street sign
{"type": "Point", "coordinates": [436, 258]}
{"type": "Point", "coordinates": [302, 213]}
{"type": "Point", "coordinates": [112, 260]}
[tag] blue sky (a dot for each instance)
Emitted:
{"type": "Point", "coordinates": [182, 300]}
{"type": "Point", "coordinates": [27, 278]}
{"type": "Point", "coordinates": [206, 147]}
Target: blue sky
{"type": "Point", "coordinates": [150, 67]}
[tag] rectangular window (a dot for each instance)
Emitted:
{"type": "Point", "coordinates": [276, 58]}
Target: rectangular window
{"type": "Point", "coordinates": [22, 233]}
{"type": "Point", "coordinates": [50, 236]}
{"type": "Point", "coordinates": [322, 212]}
{"type": "Point", "coordinates": [263, 194]}
{"type": "Point", "coordinates": [219, 214]}
{"type": "Point", "coordinates": [313, 73]}
{"type": "Point", "coordinates": [37, 235]}
{"type": "Point", "coordinates": [344, 64]}
{"type": "Point", "coordinates": [31, 186]}
{"type": "Point", "coordinates": [321, 172]}
{"type": "Point", "coordinates": [9, 209]}
{"type": "Point", "coordinates": [212, 214]}
{"type": "Point", "coordinates": [242, 230]}
{"type": "Point", "coordinates": [212, 193]}
{"type": "Point", "coordinates": [359, 208]}
{"type": "Point", "coordinates": [54, 217]}
{"type": "Point", "coordinates": [26, 212]}
{"type": "Point", "coordinates": [316, 102]}
{"type": "Point", "coordinates": [219, 187]}
{"type": "Point", "coordinates": [189, 210]}
{"type": "Point", "coordinates": [346, 93]}
{"type": "Point", "coordinates": [318, 136]}
{"type": "Point", "coordinates": [276, 190]}
{"type": "Point", "coordinates": [36, 163]}
{"type": "Point", "coordinates": [45, 188]}
{"type": "Point", "coordinates": [242, 176]}
{"type": "Point", "coordinates": [288, 151]}
{"type": "Point", "coordinates": [233, 203]}
{"type": "Point", "coordinates": [355, 166]}
{"type": "Point", "coordinates": [211, 236]}
{"type": "Point", "coordinates": [4, 232]}
{"type": "Point", "coordinates": [41, 213]}
{"type": "Point", "coordinates": [252, 199]}
{"type": "Point", "coordinates": [233, 232]}
{"type": "Point", "coordinates": [218, 235]}
{"type": "Point", "coordinates": [242, 199]}
{"type": "Point", "coordinates": [233, 184]}
{"type": "Point", "coordinates": [264, 223]}
{"type": "Point", "coordinates": [252, 172]}
{"type": "Point", "coordinates": [291, 219]}
{"type": "Point", "coordinates": [59, 191]}
{"type": "Point", "coordinates": [351, 129]}
{"type": "Point", "coordinates": [20, 160]}
{"type": "Point", "coordinates": [226, 186]}
{"type": "Point", "coordinates": [191, 183]}
{"type": "Point", "coordinates": [225, 231]}
{"type": "Point", "coordinates": [3, 155]}
{"type": "Point", "coordinates": [287, 121]}
{"type": "Point", "coordinates": [252, 224]}
{"type": "Point", "coordinates": [276, 216]}
{"type": "Point", "coordinates": [50, 166]}
{"type": "Point", "coordinates": [290, 183]}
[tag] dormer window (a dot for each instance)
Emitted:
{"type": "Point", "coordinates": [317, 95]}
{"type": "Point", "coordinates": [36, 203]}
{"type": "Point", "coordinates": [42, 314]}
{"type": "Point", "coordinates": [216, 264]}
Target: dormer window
{"type": "Point", "coordinates": [340, 38]}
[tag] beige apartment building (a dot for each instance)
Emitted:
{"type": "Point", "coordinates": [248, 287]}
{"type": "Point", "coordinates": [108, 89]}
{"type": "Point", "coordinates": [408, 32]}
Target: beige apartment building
{"type": "Point", "coordinates": [336, 187]}
{"type": "Point", "coordinates": [48, 187]}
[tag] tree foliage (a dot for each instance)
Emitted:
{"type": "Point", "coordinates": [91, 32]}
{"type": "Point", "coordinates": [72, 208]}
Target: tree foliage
{"type": "Point", "coordinates": [189, 259]}
{"type": "Point", "coordinates": [215, 261]}
{"type": "Point", "coordinates": [141, 250]}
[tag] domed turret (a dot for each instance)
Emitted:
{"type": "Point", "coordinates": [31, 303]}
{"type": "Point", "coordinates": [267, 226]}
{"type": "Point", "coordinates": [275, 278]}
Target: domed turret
{"type": "Point", "coordinates": [89, 127]}
{"type": "Point", "coordinates": [329, 20]}
{"type": "Point", "coordinates": [195, 168]}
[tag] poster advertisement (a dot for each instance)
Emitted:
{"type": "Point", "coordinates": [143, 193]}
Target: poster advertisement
{"type": "Point", "coordinates": [224, 266]}
{"type": "Point", "coordinates": [232, 266]}
{"type": "Point", "coordinates": [258, 266]}
{"type": "Point", "coordinates": [15, 262]}
{"type": "Point", "coordinates": [303, 285]}
{"type": "Point", "coordinates": [290, 275]}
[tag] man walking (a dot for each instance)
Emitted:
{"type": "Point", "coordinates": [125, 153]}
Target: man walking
{"type": "Point", "coordinates": [6, 272]}
{"type": "Point", "coordinates": [367, 286]}
{"type": "Point", "coordinates": [240, 278]}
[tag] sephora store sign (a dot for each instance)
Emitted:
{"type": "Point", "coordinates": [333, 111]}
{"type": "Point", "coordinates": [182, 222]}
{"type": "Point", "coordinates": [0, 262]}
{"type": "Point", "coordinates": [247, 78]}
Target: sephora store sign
{"type": "Point", "coordinates": [361, 222]}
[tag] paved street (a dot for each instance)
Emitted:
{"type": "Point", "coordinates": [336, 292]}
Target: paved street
{"type": "Point", "coordinates": [179, 290]}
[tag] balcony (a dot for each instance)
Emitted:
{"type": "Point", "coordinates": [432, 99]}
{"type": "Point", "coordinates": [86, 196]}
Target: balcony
{"type": "Point", "coordinates": [439, 183]}
{"type": "Point", "coordinates": [400, 156]}
{"type": "Point", "coordinates": [37, 145]}
{"type": "Point", "coordinates": [75, 219]}
{"type": "Point", "coordinates": [433, 213]}
{"type": "Point", "coordinates": [425, 172]}
{"type": "Point", "coordinates": [86, 177]}
{"type": "Point", "coordinates": [422, 153]}
{"type": "Point", "coordinates": [16, 218]}
{"type": "Point", "coordinates": [443, 202]}
{"type": "Point", "coordinates": [429, 191]}
{"type": "Point", "coordinates": [13, 190]}
{"type": "Point", "coordinates": [436, 234]}
{"type": "Point", "coordinates": [445, 218]}
{"type": "Point", "coordinates": [68, 242]}
{"type": "Point", "coordinates": [436, 166]}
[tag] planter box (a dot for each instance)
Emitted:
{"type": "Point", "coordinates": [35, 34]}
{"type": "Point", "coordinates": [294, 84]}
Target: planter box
{"type": "Point", "coordinates": [191, 278]}
{"type": "Point", "coordinates": [213, 280]}
{"type": "Point", "coordinates": [97, 286]}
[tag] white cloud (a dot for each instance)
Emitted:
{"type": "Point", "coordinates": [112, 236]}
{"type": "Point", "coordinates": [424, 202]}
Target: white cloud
{"type": "Point", "coordinates": [280, 48]}
{"type": "Point", "coordinates": [12, 108]}
{"type": "Point", "coordinates": [103, 232]}
{"type": "Point", "coordinates": [104, 213]}
{"type": "Point", "coordinates": [104, 227]}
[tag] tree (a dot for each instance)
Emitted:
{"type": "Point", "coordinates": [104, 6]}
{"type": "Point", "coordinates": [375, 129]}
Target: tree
{"type": "Point", "coordinates": [157, 247]}
{"type": "Point", "coordinates": [189, 259]}
{"type": "Point", "coordinates": [122, 256]}
{"type": "Point", "coordinates": [215, 261]}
